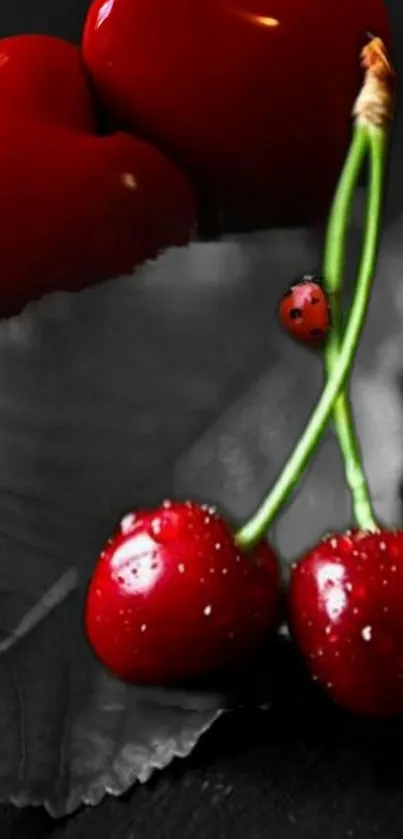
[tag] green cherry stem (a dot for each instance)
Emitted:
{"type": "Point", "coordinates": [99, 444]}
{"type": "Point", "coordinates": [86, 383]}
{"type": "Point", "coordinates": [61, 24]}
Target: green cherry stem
{"type": "Point", "coordinates": [255, 529]}
{"type": "Point", "coordinates": [333, 270]}
{"type": "Point", "coordinates": [373, 115]}
{"type": "Point", "coordinates": [379, 78]}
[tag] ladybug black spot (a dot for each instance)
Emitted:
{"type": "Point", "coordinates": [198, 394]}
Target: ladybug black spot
{"type": "Point", "coordinates": [315, 300]}
{"type": "Point", "coordinates": [316, 332]}
{"type": "Point", "coordinates": [296, 314]}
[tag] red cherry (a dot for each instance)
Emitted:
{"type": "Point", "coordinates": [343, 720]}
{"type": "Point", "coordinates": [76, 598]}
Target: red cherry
{"type": "Point", "coordinates": [252, 97]}
{"type": "Point", "coordinates": [346, 615]}
{"type": "Point", "coordinates": [172, 597]}
{"type": "Point", "coordinates": [304, 311]}
{"type": "Point", "coordinates": [77, 208]}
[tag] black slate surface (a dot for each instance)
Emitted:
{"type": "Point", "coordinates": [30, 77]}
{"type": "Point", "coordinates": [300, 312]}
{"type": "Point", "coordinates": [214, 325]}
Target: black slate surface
{"type": "Point", "coordinates": [303, 769]}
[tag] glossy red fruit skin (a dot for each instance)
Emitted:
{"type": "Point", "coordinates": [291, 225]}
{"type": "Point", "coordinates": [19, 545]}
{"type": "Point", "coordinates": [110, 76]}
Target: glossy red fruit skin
{"type": "Point", "coordinates": [346, 615]}
{"type": "Point", "coordinates": [172, 598]}
{"type": "Point", "coordinates": [304, 312]}
{"type": "Point", "coordinates": [77, 208]}
{"type": "Point", "coordinates": [258, 113]}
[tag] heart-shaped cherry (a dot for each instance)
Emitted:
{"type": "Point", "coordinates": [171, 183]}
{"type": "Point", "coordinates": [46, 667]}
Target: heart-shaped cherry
{"type": "Point", "coordinates": [172, 597]}
{"type": "Point", "coordinates": [346, 615]}
{"type": "Point", "coordinates": [77, 208]}
{"type": "Point", "coordinates": [253, 97]}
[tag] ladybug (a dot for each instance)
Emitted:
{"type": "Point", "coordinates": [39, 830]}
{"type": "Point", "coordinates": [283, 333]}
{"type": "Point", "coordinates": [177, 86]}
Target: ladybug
{"type": "Point", "coordinates": [304, 311]}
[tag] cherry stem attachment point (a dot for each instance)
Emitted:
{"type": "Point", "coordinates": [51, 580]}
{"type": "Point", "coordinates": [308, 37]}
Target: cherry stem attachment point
{"type": "Point", "coordinates": [373, 111]}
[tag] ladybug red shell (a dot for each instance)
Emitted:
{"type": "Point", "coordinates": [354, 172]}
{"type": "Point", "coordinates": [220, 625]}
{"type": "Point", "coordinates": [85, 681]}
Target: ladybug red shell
{"type": "Point", "coordinates": [304, 311]}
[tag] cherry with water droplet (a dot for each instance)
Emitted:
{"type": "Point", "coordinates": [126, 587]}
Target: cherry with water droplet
{"type": "Point", "coordinates": [173, 598]}
{"type": "Point", "coordinates": [346, 615]}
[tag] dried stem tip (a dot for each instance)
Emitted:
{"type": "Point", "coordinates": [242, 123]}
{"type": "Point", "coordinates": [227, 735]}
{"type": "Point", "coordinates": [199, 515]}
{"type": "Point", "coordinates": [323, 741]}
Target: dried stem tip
{"type": "Point", "coordinates": [375, 103]}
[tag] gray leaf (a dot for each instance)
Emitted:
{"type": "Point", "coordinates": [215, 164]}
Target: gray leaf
{"type": "Point", "coordinates": [177, 381]}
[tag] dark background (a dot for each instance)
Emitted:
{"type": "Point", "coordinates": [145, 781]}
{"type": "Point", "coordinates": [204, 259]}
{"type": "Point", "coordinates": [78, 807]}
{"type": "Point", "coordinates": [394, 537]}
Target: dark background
{"type": "Point", "coordinates": [303, 769]}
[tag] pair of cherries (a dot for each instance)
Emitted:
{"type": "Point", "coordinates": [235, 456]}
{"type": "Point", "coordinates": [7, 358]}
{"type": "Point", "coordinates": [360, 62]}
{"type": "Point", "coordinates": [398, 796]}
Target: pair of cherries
{"type": "Point", "coordinates": [173, 598]}
{"type": "Point", "coordinates": [241, 106]}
